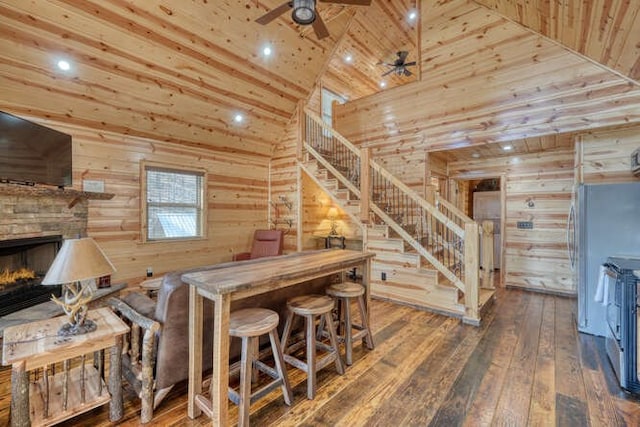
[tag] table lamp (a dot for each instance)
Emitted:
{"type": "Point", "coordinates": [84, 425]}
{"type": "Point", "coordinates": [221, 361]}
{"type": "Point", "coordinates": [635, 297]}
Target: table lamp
{"type": "Point", "coordinates": [77, 261]}
{"type": "Point", "coordinates": [332, 215]}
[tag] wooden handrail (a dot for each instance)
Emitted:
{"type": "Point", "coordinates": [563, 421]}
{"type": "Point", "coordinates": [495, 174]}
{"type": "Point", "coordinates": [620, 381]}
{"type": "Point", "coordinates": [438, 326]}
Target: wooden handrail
{"type": "Point", "coordinates": [344, 141]}
{"type": "Point", "coordinates": [419, 200]}
{"type": "Point", "coordinates": [333, 170]}
{"type": "Point", "coordinates": [453, 209]}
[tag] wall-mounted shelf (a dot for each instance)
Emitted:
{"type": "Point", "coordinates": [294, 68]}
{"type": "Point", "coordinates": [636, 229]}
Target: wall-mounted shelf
{"type": "Point", "coordinates": [45, 191]}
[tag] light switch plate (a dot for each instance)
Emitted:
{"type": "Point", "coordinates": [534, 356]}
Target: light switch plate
{"type": "Point", "coordinates": [93, 186]}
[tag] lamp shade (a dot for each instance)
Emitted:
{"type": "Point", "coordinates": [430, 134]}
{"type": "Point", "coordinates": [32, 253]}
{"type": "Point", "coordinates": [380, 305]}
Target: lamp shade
{"type": "Point", "coordinates": [333, 213]}
{"type": "Point", "coordinates": [78, 259]}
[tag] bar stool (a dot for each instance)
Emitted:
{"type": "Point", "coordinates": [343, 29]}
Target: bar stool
{"type": "Point", "coordinates": [309, 307]}
{"type": "Point", "coordinates": [344, 293]}
{"type": "Point", "coordinates": [249, 324]}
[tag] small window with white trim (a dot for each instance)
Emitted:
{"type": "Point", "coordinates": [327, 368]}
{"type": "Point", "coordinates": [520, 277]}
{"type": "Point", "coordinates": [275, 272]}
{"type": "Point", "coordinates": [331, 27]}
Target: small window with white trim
{"type": "Point", "coordinates": [327, 99]}
{"type": "Point", "coordinates": [173, 203]}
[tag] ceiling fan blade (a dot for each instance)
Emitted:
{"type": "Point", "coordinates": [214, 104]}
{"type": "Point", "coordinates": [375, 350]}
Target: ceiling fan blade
{"type": "Point", "coordinates": [354, 2]}
{"type": "Point", "coordinates": [274, 13]}
{"type": "Point", "coordinates": [389, 72]}
{"type": "Point", "coordinates": [407, 73]}
{"type": "Point", "coordinates": [402, 55]}
{"type": "Point", "coordinates": [410, 63]}
{"type": "Point", "coordinates": [319, 27]}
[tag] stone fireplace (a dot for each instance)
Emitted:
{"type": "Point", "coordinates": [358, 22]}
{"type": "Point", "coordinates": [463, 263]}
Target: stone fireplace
{"type": "Point", "coordinates": [33, 223]}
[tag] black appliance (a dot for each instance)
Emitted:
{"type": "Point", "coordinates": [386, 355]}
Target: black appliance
{"type": "Point", "coordinates": [33, 154]}
{"type": "Point", "coordinates": [621, 339]}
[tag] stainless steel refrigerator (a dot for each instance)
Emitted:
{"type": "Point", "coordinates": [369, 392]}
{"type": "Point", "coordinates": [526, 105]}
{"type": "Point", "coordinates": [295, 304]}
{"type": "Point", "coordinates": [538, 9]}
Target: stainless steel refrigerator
{"type": "Point", "coordinates": [607, 224]}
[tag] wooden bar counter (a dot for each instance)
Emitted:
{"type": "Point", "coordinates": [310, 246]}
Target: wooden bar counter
{"type": "Point", "coordinates": [241, 280]}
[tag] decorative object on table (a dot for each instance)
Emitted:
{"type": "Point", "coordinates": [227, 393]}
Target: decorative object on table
{"type": "Point", "coordinates": [332, 215]}
{"type": "Point", "coordinates": [76, 266]}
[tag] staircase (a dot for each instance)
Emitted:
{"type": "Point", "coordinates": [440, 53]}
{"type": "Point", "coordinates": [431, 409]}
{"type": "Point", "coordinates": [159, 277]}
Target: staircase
{"type": "Point", "coordinates": [427, 254]}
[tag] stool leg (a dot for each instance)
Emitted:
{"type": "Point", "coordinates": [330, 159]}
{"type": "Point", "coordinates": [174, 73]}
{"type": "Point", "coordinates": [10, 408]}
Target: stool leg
{"type": "Point", "coordinates": [280, 366]}
{"type": "Point", "coordinates": [286, 332]}
{"type": "Point", "coordinates": [365, 323]}
{"type": "Point", "coordinates": [348, 330]}
{"type": "Point", "coordinates": [334, 343]}
{"type": "Point", "coordinates": [255, 351]}
{"type": "Point", "coordinates": [311, 355]}
{"type": "Point", "coordinates": [245, 381]}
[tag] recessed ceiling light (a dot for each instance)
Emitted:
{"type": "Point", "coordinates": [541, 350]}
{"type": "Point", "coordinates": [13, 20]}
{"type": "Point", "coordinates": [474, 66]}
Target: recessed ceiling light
{"type": "Point", "coordinates": [412, 15]}
{"type": "Point", "coordinates": [238, 118]}
{"type": "Point", "coordinates": [64, 65]}
{"type": "Point", "coordinates": [475, 155]}
{"type": "Point", "coordinates": [383, 84]}
{"type": "Point", "coordinates": [267, 51]}
{"type": "Point", "coordinates": [507, 147]}
{"type": "Point", "coordinates": [348, 58]}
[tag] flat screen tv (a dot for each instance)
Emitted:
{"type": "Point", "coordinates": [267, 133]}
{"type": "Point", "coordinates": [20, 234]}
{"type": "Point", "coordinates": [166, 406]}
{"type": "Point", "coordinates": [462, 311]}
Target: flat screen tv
{"type": "Point", "coordinates": [33, 154]}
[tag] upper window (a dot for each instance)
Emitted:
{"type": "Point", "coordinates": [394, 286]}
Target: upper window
{"type": "Point", "coordinates": [326, 102]}
{"type": "Point", "coordinates": [174, 207]}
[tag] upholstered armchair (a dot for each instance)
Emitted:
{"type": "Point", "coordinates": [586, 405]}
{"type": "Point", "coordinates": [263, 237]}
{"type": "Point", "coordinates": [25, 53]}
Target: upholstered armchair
{"type": "Point", "coordinates": [265, 243]}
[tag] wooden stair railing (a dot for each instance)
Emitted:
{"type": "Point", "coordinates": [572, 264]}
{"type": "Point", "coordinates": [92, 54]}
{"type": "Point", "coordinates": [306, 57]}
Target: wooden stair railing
{"type": "Point", "coordinates": [441, 234]}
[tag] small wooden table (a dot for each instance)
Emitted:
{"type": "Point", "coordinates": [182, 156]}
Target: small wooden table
{"type": "Point", "coordinates": [240, 280]}
{"type": "Point", "coordinates": [76, 389]}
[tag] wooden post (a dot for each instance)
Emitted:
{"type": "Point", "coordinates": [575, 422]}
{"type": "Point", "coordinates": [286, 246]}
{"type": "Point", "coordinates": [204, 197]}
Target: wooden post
{"type": "Point", "coordinates": [195, 351]}
{"type": "Point", "coordinates": [487, 254]}
{"type": "Point", "coordinates": [430, 194]}
{"type": "Point", "coordinates": [220, 375]}
{"type": "Point", "coordinates": [471, 267]}
{"type": "Point", "coordinates": [116, 408]}
{"type": "Point", "coordinates": [302, 130]}
{"type": "Point", "coordinates": [146, 391]}
{"type": "Point", "coordinates": [365, 185]}
{"type": "Point", "coordinates": [20, 387]}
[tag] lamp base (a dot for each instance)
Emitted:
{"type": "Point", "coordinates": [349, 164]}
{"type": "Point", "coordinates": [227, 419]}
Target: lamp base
{"type": "Point", "coordinates": [69, 329]}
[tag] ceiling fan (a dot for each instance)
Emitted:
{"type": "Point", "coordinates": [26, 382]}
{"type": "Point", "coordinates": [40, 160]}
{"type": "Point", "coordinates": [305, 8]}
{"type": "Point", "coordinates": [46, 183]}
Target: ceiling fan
{"type": "Point", "coordinates": [399, 65]}
{"type": "Point", "coordinates": [304, 13]}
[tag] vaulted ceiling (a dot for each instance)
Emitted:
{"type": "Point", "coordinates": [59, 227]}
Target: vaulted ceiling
{"type": "Point", "coordinates": [180, 70]}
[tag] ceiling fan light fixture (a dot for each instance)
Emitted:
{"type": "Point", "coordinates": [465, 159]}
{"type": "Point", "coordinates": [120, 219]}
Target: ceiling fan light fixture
{"type": "Point", "coordinates": [304, 12]}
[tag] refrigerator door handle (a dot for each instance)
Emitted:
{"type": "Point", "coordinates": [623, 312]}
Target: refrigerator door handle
{"type": "Point", "coordinates": [571, 237]}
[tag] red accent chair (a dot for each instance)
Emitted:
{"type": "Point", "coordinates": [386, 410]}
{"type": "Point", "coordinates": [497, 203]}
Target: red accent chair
{"type": "Point", "coordinates": [265, 243]}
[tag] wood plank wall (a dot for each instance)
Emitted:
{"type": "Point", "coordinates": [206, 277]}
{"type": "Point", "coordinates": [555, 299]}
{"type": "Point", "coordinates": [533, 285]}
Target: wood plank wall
{"type": "Point", "coordinates": [534, 259]}
{"type": "Point", "coordinates": [236, 197]}
{"type": "Point", "coordinates": [605, 156]}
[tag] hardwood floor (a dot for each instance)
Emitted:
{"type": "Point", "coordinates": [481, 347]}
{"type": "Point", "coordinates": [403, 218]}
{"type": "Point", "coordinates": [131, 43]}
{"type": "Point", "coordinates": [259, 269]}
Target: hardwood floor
{"type": "Point", "coordinates": [526, 365]}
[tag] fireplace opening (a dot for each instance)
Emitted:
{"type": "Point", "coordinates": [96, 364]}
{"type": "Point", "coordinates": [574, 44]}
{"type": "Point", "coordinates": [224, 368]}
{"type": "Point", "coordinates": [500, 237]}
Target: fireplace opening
{"type": "Point", "coordinates": [23, 265]}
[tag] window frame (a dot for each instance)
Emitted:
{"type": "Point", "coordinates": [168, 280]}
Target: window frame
{"type": "Point", "coordinates": [171, 168]}
{"type": "Point", "coordinates": [331, 96]}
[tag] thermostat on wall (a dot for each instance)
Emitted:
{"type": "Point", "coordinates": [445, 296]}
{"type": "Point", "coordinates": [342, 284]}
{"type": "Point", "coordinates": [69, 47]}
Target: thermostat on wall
{"type": "Point", "coordinates": [93, 186]}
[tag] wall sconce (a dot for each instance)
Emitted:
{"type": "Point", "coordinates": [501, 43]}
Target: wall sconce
{"type": "Point", "coordinates": [332, 215]}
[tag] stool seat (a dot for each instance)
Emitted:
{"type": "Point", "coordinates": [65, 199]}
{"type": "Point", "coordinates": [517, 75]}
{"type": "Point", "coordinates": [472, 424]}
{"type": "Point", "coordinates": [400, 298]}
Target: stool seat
{"type": "Point", "coordinates": [306, 305]}
{"type": "Point", "coordinates": [345, 290]}
{"type": "Point", "coordinates": [252, 322]}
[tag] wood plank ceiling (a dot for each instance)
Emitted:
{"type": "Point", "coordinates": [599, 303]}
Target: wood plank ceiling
{"type": "Point", "coordinates": [180, 70]}
{"type": "Point", "coordinates": [607, 31]}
